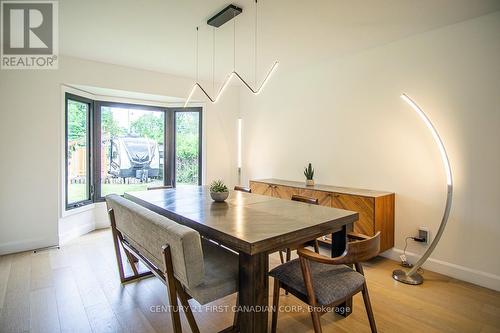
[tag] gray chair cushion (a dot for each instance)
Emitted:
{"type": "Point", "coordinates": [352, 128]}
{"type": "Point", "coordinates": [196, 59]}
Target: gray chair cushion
{"type": "Point", "coordinates": [331, 282]}
{"type": "Point", "coordinates": [221, 274]}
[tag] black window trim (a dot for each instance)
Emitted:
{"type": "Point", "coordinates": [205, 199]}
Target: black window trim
{"type": "Point", "coordinates": [97, 138]}
{"type": "Point", "coordinates": [94, 137]}
{"type": "Point", "coordinates": [90, 185]}
{"type": "Point", "coordinates": [200, 140]}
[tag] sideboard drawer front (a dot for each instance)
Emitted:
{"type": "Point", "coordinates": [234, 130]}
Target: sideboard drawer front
{"type": "Point", "coordinates": [324, 198]}
{"type": "Point", "coordinates": [284, 192]}
{"type": "Point", "coordinates": [363, 205]}
{"type": "Point", "coordinates": [261, 188]}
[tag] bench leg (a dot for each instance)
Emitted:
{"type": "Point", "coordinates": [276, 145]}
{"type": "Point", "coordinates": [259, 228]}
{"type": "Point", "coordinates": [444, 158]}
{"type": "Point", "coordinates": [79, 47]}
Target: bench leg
{"type": "Point", "coordinates": [187, 308]}
{"type": "Point", "coordinates": [117, 240]}
{"type": "Point", "coordinates": [172, 292]}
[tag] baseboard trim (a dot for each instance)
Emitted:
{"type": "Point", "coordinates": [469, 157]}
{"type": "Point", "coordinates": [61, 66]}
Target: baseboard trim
{"type": "Point", "coordinates": [459, 272]}
{"type": "Point", "coordinates": [76, 232]}
{"type": "Point", "coordinates": [27, 245]}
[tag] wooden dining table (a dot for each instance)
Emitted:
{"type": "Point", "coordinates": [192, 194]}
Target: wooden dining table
{"type": "Point", "coordinates": [254, 226]}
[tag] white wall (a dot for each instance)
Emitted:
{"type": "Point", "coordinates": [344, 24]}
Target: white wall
{"type": "Point", "coordinates": [345, 116]}
{"type": "Point", "coordinates": [30, 149]}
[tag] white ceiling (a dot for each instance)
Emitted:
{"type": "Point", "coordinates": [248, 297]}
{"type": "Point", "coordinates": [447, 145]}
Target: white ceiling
{"type": "Point", "coordinates": [159, 35]}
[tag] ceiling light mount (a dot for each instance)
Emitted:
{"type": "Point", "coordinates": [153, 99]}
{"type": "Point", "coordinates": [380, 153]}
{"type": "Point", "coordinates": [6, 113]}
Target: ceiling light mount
{"type": "Point", "coordinates": [225, 15]}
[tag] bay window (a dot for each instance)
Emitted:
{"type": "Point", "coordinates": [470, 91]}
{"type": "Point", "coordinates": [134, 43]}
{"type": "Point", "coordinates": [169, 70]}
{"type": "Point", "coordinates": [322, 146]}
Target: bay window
{"type": "Point", "coordinates": [118, 148]}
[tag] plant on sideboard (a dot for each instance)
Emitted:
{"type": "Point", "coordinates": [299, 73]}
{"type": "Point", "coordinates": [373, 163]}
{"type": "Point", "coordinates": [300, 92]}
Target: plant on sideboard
{"type": "Point", "coordinates": [218, 191]}
{"type": "Point", "coordinates": [309, 173]}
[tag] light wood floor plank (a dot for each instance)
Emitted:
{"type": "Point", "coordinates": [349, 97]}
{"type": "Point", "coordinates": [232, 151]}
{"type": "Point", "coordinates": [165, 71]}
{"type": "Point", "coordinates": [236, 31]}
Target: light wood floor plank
{"type": "Point", "coordinates": [44, 312]}
{"type": "Point", "coordinates": [41, 271]}
{"type": "Point", "coordinates": [16, 310]}
{"type": "Point", "coordinates": [102, 319]}
{"type": "Point", "coordinates": [134, 321]}
{"type": "Point", "coordinates": [5, 263]}
{"type": "Point", "coordinates": [72, 315]}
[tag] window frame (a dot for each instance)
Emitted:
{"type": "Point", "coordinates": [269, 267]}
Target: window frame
{"type": "Point", "coordinates": [89, 172]}
{"type": "Point", "coordinates": [167, 174]}
{"type": "Point", "coordinates": [200, 140]}
{"type": "Point", "coordinates": [94, 144]}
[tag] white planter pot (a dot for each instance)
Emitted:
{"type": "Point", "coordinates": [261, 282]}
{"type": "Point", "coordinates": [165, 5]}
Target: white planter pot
{"type": "Point", "coordinates": [219, 196]}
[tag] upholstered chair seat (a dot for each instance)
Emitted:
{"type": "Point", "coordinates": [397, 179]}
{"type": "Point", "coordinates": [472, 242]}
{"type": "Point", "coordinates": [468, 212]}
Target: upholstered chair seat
{"type": "Point", "coordinates": [331, 283]}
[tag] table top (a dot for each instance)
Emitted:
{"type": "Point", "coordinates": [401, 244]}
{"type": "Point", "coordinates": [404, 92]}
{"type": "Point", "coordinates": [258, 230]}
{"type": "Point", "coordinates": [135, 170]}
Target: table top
{"type": "Point", "coordinates": [245, 222]}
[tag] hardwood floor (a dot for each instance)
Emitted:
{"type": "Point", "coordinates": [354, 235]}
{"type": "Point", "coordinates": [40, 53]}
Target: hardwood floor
{"type": "Point", "coordinates": [77, 289]}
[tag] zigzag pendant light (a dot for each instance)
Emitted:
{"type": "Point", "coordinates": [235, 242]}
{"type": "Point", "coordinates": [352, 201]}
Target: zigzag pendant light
{"type": "Point", "coordinates": [217, 21]}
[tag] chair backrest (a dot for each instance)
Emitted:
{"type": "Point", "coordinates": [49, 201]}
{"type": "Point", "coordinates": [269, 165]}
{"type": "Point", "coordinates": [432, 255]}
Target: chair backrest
{"type": "Point", "coordinates": [301, 198]}
{"type": "Point", "coordinates": [159, 187]}
{"type": "Point", "coordinates": [363, 249]}
{"type": "Point", "coordinates": [242, 189]}
{"type": "Point", "coordinates": [148, 232]}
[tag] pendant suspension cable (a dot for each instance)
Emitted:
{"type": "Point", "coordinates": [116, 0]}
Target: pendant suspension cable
{"type": "Point", "coordinates": [213, 59]}
{"type": "Point", "coordinates": [255, 47]}
{"type": "Point", "coordinates": [196, 54]}
{"type": "Point", "coordinates": [234, 43]}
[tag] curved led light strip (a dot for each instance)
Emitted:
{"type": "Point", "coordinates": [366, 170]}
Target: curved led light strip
{"type": "Point", "coordinates": [412, 276]}
{"type": "Point", "coordinates": [226, 83]}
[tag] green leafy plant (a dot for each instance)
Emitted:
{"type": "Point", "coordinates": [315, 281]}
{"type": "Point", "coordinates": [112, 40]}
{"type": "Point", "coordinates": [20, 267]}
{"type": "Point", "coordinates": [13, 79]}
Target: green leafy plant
{"type": "Point", "coordinates": [309, 172]}
{"type": "Point", "coordinates": [218, 186]}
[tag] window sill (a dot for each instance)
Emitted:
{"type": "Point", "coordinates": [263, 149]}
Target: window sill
{"type": "Point", "coordinates": [66, 213]}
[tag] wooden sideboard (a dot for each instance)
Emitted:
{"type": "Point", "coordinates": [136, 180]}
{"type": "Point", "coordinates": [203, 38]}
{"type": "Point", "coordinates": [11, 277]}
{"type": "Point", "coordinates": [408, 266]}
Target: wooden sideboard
{"type": "Point", "coordinates": [375, 208]}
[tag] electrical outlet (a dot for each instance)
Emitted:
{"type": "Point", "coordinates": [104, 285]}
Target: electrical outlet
{"type": "Point", "coordinates": [423, 232]}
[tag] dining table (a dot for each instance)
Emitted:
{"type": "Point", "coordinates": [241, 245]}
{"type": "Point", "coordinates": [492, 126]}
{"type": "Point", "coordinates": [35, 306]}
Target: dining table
{"type": "Point", "coordinates": [254, 226]}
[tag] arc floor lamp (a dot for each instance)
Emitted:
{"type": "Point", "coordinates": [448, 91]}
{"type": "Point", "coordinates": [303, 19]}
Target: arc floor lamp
{"type": "Point", "coordinates": [412, 276]}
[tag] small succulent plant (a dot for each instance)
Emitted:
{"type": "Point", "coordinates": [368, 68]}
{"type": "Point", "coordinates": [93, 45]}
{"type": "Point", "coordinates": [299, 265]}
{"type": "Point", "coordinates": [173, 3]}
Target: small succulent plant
{"type": "Point", "coordinates": [218, 186]}
{"type": "Point", "coordinates": [309, 172]}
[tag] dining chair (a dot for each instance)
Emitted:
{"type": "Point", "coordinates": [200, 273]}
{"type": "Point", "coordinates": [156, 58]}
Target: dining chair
{"type": "Point", "coordinates": [243, 189]}
{"type": "Point", "coordinates": [314, 243]}
{"type": "Point", "coordinates": [189, 266]}
{"type": "Point", "coordinates": [324, 282]}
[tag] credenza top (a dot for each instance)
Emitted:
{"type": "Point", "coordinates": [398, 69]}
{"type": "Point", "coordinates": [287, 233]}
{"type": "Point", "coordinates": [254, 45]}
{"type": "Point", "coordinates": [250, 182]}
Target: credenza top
{"type": "Point", "coordinates": [324, 188]}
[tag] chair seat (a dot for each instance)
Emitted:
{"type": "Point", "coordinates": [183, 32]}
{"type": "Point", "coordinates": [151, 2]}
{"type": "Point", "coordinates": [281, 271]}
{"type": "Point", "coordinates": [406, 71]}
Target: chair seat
{"type": "Point", "coordinates": [332, 283]}
{"type": "Point", "coordinates": [221, 274]}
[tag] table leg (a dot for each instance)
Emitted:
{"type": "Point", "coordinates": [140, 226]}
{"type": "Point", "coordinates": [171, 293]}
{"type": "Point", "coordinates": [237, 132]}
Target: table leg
{"type": "Point", "coordinates": [339, 242]}
{"type": "Point", "coordinates": [253, 292]}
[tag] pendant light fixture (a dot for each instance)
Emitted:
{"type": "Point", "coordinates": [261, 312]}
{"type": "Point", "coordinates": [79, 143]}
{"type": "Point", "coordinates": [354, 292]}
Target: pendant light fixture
{"type": "Point", "coordinates": [412, 276]}
{"type": "Point", "coordinates": [216, 21]}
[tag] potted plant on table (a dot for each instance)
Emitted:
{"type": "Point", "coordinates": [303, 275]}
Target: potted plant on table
{"type": "Point", "coordinates": [309, 173]}
{"type": "Point", "coordinates": [218, 191]}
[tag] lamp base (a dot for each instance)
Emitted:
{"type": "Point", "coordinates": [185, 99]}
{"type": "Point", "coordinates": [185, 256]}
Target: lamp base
{"type": "Point", "coordinates": [400, 275]}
